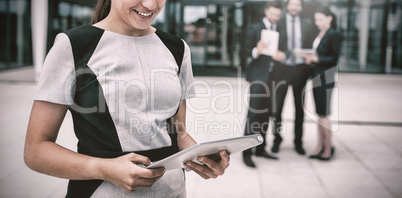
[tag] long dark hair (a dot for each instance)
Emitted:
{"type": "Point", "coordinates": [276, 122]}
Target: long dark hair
{"type": "Point", "coordinates": [101, 11]}
{"type": "Point", "coordinates": [327, 12]}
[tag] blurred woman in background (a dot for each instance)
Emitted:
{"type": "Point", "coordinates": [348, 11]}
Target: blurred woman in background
{"type": "Point", "coordinates": [323, 63]}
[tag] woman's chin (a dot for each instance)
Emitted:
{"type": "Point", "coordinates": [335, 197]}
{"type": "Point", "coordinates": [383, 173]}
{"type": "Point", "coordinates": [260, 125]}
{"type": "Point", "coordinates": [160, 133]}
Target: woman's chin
{"type": "Point", "coordinates": [143, 26]}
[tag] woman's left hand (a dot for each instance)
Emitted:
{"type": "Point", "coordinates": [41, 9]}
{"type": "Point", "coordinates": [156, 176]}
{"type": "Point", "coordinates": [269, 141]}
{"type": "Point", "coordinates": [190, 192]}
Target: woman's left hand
{"type": "Point", "coordinates": [210, 169]}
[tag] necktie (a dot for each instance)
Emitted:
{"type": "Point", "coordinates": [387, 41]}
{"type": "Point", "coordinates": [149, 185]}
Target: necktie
{"type": "Point", "coordinates": [271, 64]}
{"type": "Point", "coordinates": [293, 44]}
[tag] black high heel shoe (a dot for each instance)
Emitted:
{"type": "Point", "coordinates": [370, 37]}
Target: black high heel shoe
{"type": "Point", "coordinates": [330, 156]}
{"type": "Point", "coordinates": [318, 155]}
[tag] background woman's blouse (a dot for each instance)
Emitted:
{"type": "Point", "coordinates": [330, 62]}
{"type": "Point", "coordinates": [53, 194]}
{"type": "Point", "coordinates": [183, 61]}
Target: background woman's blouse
{"type": "Point", "coordinates": [316, 43]}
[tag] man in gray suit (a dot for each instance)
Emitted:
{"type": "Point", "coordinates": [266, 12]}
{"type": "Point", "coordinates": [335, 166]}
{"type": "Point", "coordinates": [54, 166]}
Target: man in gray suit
{"type": "Point", "coordinates": [260, 74]}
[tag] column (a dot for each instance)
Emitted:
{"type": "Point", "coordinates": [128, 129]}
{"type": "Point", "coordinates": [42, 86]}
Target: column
{"type": "Point", "coordinates": [364, 32]}
{"type": "Point", "coordinates": [166, 23]}
{"type": "Point", "coordinates": [393, 22]}
{"type": "Point", "coordinates": [39, 11]}
{"type": "Point", "coordinates": [20, 10]}
{"type": "Point", "coordinates": [224, 38]}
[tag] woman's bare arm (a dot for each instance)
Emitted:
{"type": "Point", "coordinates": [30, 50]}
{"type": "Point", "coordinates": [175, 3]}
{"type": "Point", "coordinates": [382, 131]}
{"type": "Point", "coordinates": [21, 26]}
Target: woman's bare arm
{"type": "Point", "coordinates": [210, 169]}
{"type": "Point", "coordinates": [183, 138]}
{"type": "Point", "coordinates": [42, 154]}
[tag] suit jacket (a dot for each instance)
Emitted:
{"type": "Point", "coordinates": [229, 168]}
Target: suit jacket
{"type": "Point", "coordinates": [308, 31]}
{"type": "Point", "coordinates": [328, 52]}
{"type": "Point", "coordinates": [258, 69]}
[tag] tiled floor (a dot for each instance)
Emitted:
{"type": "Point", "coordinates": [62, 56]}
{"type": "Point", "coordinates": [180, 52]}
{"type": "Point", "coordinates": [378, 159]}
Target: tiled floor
{"type": "Point", "coordinates": [367, 116]}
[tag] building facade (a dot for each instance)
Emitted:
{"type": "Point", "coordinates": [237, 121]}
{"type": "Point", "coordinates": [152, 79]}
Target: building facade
{"type": "Point", "coordinates": [214, 29]}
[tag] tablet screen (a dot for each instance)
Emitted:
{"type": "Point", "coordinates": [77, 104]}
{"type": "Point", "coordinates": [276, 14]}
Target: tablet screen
{"type": "Point", "coordinates": [208, 149]}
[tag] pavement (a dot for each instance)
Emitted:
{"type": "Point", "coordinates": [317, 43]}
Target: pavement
{"type": "Point", "coordinates": [367, 125]}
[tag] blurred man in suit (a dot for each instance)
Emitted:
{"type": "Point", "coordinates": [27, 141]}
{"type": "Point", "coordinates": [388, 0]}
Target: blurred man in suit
{"type": "Point", "coordinates": [259, 74]}
{"type": "Point", "coordinates": [295, 33]}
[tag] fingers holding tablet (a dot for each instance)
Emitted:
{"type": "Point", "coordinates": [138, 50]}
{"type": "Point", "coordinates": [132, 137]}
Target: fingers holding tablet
{"type": "Point", "coordinates": [214, 150]}
{"type": "Point", "coordinates": [210, 167]}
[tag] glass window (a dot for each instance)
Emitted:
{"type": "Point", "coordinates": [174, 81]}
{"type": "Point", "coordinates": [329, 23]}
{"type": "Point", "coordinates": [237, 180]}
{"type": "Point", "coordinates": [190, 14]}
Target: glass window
{"type": "Point", "coordinates": [15, 37]}
{"type": "Point", "coordinates": [64, 15]}
{"type": "Point", "coordinates": [194, 32]}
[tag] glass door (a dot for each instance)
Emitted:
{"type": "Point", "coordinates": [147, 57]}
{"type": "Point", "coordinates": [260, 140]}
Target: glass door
{"type": "Point", "coordinates": [195, 32]}
{"type": "Point", "coordinates": [15, 34]}
{"type": "Point", "coordinates": [224, 25]}
{"type": "Point", "coordinates": [213, 33]}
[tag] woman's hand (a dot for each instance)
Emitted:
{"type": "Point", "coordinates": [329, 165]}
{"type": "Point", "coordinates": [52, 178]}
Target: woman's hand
{"type": "Point", "coordinates": [42, 154]}
{"type": "Point", "coordinates": [307, 59]}
{"type": "Point", "coordinates": [279, 56]}
{"type": "Point", "coordinates": [124, 173]}
{"type": "Point", "coordinates": [313, 58]}
{"type": "Point", "coordinates": [310, 58]}
{"type": "Point", "coordinates": [210, 169]}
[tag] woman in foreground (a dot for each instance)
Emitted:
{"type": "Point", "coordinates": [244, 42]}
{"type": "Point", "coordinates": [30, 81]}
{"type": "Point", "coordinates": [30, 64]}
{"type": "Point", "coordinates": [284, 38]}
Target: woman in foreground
{"type": "Point", "coordinates": [125, 84]}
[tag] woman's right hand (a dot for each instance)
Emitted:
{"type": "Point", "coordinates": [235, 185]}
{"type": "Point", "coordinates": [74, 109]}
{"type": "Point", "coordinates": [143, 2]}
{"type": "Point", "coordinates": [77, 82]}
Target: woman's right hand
{"type": "Point", "coordinates": [42, 154]}
{"type": "Point", "coordinates": [127, 175]}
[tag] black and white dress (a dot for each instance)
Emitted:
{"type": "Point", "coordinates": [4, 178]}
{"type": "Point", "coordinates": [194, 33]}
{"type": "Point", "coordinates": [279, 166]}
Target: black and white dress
{"type": "Point", "coordinates": [122, 92]}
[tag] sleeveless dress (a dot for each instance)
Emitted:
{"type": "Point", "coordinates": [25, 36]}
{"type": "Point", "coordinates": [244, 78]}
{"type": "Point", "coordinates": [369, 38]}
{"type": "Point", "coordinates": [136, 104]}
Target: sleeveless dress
{"type": "Point", "coordinates": [122, 92]}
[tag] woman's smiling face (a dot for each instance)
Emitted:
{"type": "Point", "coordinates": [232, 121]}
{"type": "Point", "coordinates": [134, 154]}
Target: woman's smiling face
{"type": "Point", "coordinates": [137, 14]}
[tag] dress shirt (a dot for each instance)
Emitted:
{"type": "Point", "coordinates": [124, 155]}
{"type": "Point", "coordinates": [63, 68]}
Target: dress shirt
{"type": "Point", "coordinates": [298, 38]}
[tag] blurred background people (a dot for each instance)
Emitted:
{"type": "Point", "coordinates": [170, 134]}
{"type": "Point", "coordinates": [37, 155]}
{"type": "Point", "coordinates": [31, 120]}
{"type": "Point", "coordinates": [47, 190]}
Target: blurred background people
{"type": "Point", "coordinates": [259, 74]}
{"type": "Point", "coordinates": [327, 45]}
{"type": "Point", "coordinates": [294, 34]}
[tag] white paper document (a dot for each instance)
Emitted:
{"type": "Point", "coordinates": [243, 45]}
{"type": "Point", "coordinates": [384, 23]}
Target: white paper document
{"type": "Point", "coordinates": [271, 39]}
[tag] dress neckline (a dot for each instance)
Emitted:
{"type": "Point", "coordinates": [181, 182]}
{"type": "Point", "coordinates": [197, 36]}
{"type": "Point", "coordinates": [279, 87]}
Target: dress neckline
{"type": "Point", "coordinates": [123, 35]}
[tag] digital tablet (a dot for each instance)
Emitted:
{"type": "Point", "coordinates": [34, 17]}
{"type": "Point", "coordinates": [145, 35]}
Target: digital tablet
{"type": "Point", "coordinates": [271, 39]}
{"type": "Point", "coordinates": [209, 149]}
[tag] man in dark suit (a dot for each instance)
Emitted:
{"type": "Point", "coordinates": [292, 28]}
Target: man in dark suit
{"type": "Point", "coordinates": [259, 74]}
{"type": "Point", "coordinates": [295, 33]}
